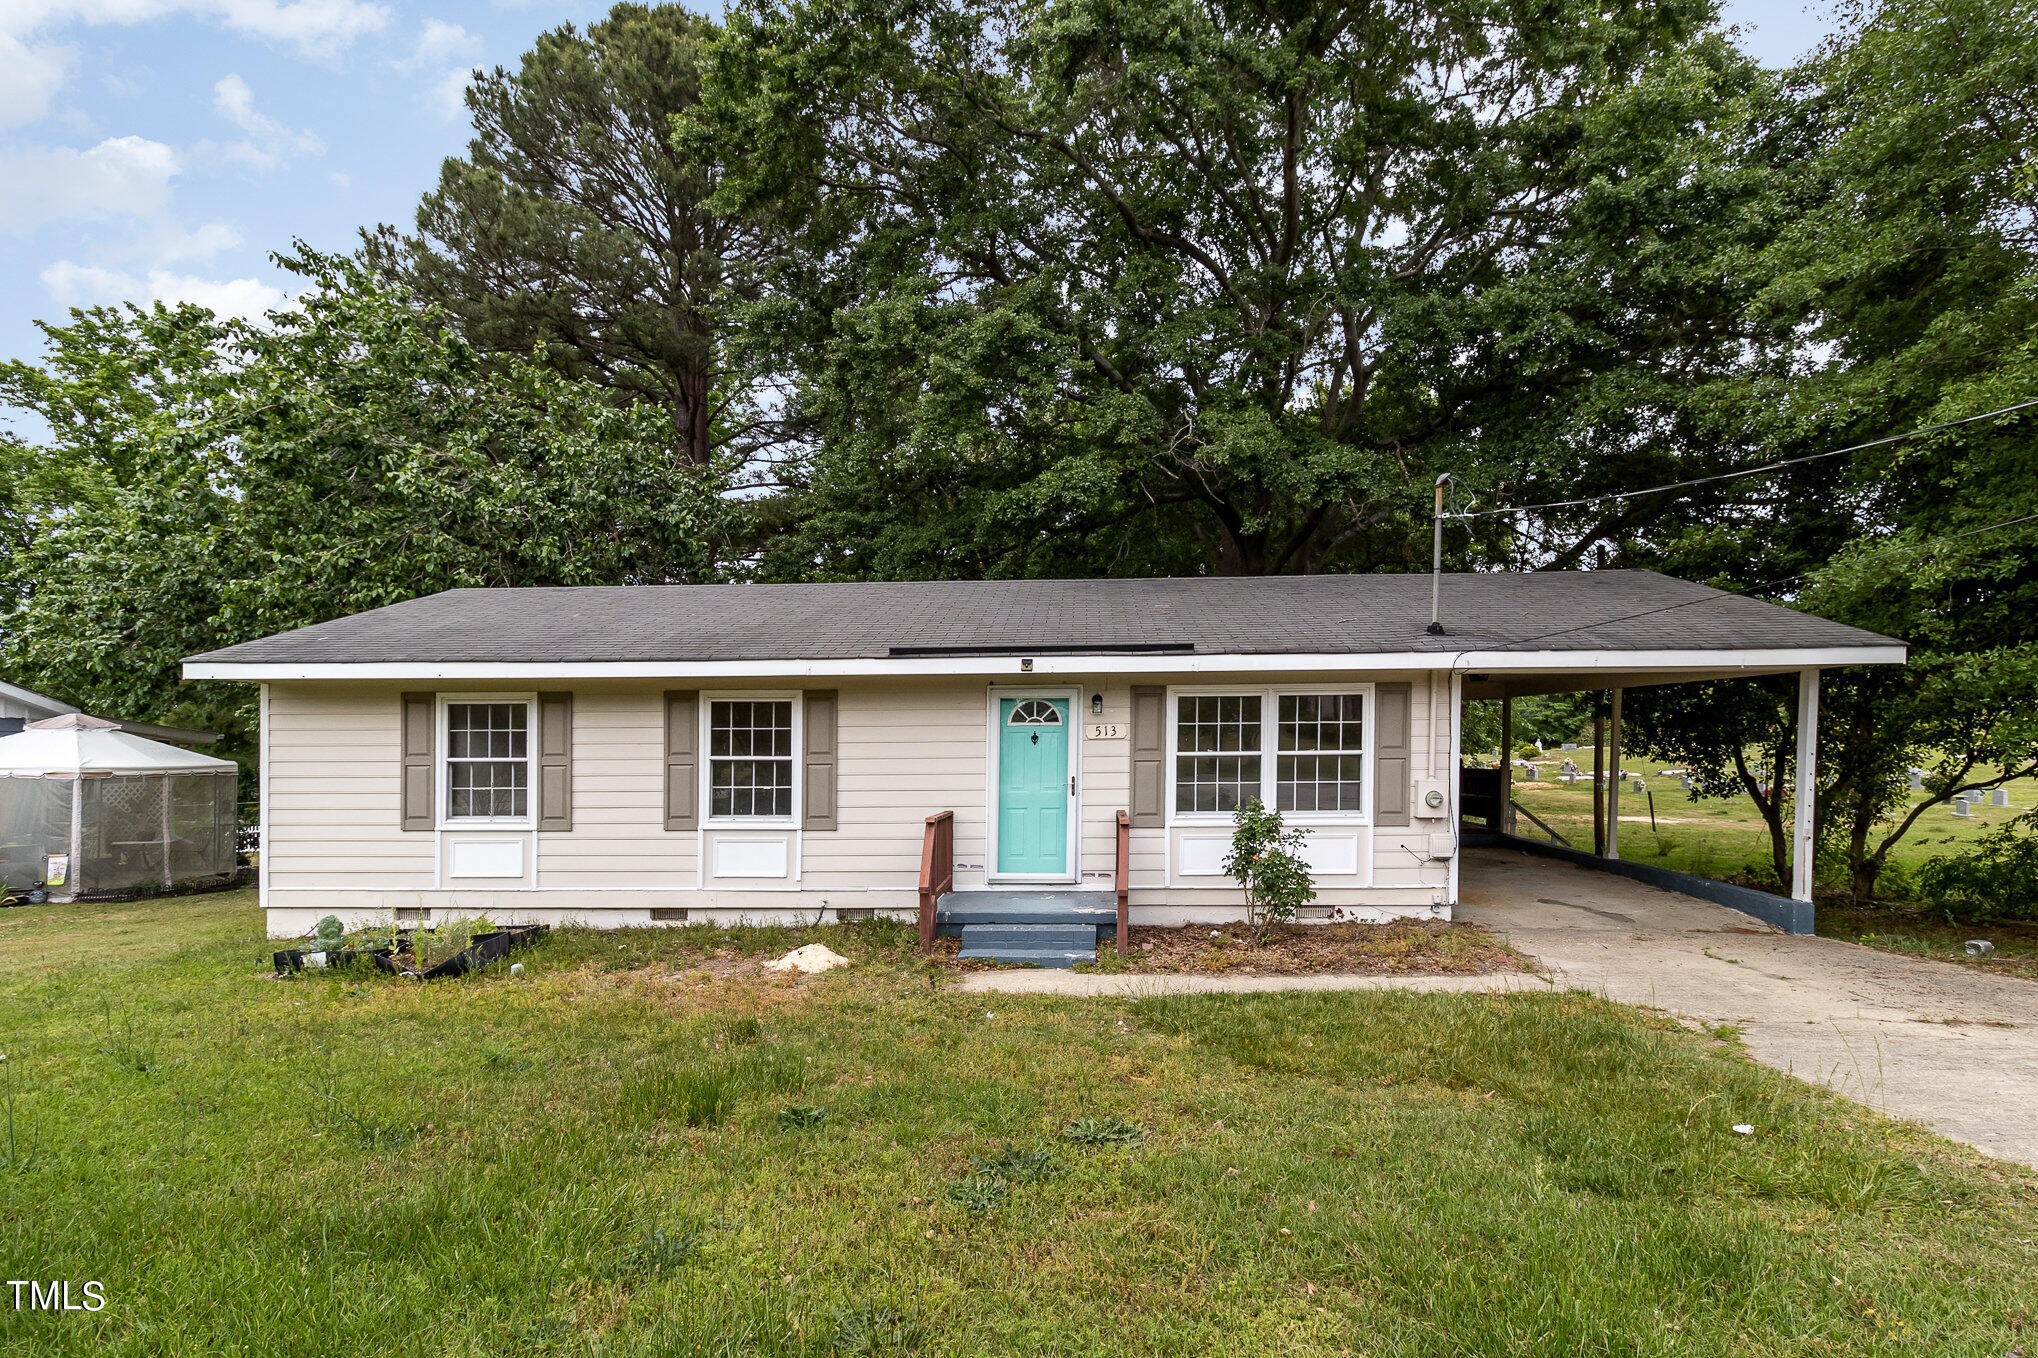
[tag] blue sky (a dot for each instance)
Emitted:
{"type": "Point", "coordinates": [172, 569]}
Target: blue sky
{"type": "Point", "coordinates": [162, 148]}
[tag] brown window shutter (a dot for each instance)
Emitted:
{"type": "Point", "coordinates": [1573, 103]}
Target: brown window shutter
{"type": "Point", "coordinates": [819, 775]}
{"type": "Point", "coordinates": [682, 760]}
{"type": "Point", "coordinates": [420, 721]}
{"type": "Point", "coordinates": [1149, 755]}
{"type": "Point", "coordinates": [555, 761]}
{"type": "Point", "coordinates": [1390, 754]}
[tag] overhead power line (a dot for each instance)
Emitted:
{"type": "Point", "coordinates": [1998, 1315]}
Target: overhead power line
{"type": "Point", "coordinates": [1748, 471]}
{"type": "Point", "coordinates": [1888, 547]}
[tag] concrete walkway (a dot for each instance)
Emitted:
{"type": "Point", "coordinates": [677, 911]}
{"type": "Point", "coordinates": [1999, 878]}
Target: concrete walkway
{"type": "Point", "coordinates": [1951, 1047]}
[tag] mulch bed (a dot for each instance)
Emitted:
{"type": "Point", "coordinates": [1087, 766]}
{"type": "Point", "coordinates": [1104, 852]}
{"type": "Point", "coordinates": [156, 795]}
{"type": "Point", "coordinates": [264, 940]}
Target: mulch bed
{"type": "Point", "coordinates": [1403, 948]}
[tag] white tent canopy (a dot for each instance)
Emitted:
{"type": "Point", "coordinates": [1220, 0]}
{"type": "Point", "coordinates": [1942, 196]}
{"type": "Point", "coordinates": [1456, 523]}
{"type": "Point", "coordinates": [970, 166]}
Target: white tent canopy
{"type": "Point", "coordinates": [75, 745]}
{"type": "Point", "coordinates": [93, 810]}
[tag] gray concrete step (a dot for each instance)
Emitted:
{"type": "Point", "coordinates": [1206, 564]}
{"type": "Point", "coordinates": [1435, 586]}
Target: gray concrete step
{"type": "Point", "coordinates": [1041, 945]}
{"type": "Point", "coordinates": [1096, 908]}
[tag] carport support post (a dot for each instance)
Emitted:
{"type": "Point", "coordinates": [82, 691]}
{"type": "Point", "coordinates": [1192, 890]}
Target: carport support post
{"type": "Point", "coordinates": [1805, 796]}
{"type": "Point", "coordinates": [1598, 783]}
{"type": "Point", "coordinates": [1613, 780]}
{"type": "Point", "coordinates": [1506, 764]}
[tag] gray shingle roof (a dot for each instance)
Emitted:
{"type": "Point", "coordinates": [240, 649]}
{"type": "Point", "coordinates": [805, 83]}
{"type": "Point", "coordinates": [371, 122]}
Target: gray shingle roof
{"type": "Point", "coordinates": [1558, 611]}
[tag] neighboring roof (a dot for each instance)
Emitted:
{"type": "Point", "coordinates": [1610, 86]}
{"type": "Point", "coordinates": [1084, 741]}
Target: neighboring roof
{"type": "Point", "coordinates": [75, 744]}
{"type": "Point", "coordinates": [48, 707]}
{"type": "Point", "coordinates": [29, 698]}
{"type": "Point", "coordinates": [1231, 615]}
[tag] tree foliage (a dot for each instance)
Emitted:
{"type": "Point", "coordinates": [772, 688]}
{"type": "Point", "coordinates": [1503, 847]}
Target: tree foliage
{"type": "Point", "coordinates": [573, 229]}
{"type": "Point", "coordinates": [350, 453]}
{"type": "Point", "coordinates": [1194, 285]}
{"type": "Point", "coordinates": [1905, 257]}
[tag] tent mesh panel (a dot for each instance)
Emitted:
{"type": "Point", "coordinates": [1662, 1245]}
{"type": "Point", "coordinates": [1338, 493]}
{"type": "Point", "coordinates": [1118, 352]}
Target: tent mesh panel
{"type": "Point", "coordinates": [35, 822]}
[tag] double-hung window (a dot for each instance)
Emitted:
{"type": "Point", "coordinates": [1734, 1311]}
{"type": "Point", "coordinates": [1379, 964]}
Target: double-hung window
{"type": "Point", "coordinates": [488, 761]}
{"type": "Point", "coordinates": [750, 758]}
{"type": "Point", "coordinates": [1300, 750]}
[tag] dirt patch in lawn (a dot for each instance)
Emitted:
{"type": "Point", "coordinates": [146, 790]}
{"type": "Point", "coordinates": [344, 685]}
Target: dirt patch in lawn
{"type": "Point", "coordinates": [1403, 948]}
{"type": "Point", "coordinates": [1917, 933]}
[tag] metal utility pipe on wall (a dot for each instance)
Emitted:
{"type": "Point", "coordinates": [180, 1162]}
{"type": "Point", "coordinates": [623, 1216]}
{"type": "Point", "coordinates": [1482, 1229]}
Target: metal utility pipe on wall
{"type": "Point", "coordinates": [1436, 560]}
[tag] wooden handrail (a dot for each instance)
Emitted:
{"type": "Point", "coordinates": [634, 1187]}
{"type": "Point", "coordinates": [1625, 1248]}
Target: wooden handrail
{"type": "Point", "coordinates": [1124, 878]}
{"type": "Point", "coordinates": [937, 872]}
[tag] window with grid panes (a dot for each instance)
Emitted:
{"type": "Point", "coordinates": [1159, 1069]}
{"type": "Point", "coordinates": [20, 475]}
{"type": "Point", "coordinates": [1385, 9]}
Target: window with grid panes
{"type": "Point", "coordinates": [488, 764]}
{"type": "Point", "coordinates": [1319, 764]}
{"type": "Point", "coordinates": [750, 758]}
{"type": "Point", "coordinates": [1217, 751]}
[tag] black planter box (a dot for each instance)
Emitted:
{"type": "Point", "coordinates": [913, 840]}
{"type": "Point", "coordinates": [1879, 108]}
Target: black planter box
{"type": "Point", "coordinates": [488, 948]}
{"type": "Point", "coordinates": [295, 959]}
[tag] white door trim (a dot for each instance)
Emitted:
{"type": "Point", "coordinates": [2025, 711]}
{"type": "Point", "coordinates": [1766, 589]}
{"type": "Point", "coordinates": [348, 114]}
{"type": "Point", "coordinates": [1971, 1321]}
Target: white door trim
{"type": "Point", "coordinates": [993, 727]}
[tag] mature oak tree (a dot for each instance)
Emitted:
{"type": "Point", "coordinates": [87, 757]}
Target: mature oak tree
{"type": "Point", "coordinates": [1203, 285]}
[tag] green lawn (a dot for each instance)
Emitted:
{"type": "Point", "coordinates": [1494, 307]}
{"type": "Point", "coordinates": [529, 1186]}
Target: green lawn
{"type": "Point", "coordinates": [1725, 837]}
{"type": "Point", "coordinates": [590, 1159]}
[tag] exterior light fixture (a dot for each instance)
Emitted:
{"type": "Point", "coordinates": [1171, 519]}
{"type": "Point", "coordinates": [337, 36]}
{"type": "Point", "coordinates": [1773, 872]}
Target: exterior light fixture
{"type": "Point", "coordinates": [1026, 664]}
{"type": "Point", "coordinates": [1096, 704]}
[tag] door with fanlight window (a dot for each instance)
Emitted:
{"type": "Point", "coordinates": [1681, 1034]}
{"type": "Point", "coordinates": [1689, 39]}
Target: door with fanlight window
{"type": "Point", "coordinates": [1036, 788]}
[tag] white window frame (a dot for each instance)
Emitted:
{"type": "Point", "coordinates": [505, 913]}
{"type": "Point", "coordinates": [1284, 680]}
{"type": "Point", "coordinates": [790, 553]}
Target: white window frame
{"type": "Point", "coordinates": [799, 756]}
{"type": "Point", "coordinates": [1270, 754]}
{"type": "Point", "coordinates": [442, 770]}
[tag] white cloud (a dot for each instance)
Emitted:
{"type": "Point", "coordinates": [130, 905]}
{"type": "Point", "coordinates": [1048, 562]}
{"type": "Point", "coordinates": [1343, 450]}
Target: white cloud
{"type": "Point", "coordinates": [171, 245]}
{"type": "Point", "coordinates": [340, 179]}
{"type": "Point", "coordinates": [72, 284]}
{"type": "Point", "coordinates": [30, 77]}
{"type": "Point", "coordinates": [448, 94]}
{"type": "Point", "coordinates": [439, 42]}
{"type": "Point", "coordinates": [120, 177]}
{"type": "Point", "coordinates": [269, 143]}
{"type": "Point", "coordinates": [315, 28]}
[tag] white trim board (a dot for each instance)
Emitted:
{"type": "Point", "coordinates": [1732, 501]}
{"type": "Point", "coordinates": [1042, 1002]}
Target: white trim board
{"type": "Point", "coordinates": [1708, 663]}
{"type": "Point", "coordinates": [993, 733]}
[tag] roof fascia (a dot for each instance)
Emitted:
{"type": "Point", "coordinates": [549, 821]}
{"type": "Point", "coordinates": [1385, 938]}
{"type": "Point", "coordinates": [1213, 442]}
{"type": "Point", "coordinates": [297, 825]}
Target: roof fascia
{"type": "Point", "coordinates": [1508, 662]}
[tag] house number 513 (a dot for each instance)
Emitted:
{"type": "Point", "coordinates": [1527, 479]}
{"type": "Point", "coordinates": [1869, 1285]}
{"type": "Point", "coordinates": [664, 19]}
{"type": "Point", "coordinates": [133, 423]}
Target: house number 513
{"type": "Point", "coordinates": [1104, 730]}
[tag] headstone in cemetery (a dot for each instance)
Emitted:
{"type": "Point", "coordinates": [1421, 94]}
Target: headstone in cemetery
{"type": "Point", "coordinates": [1961, 808]}
{"type": "Point", "coordinates": [1684, 781]}
{"type": "Point", "coordinates": [2000, 797]}
{"type": "Point", "coordinates": [1568, 745]}
{"type": "Point", "coordinates": [1535, 775]}
{"type": "Point", "coordinates": [1917, 779]}
{"type": "Point", "coordinates": [1641, 786]}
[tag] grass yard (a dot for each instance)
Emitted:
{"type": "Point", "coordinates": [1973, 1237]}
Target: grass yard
{"type": "Point", "coordinates": [1725, 838]}
{"type": "Point", "coordinates": [641, 1146]}
{"type": "Point", "coordinates": [1920, 933]}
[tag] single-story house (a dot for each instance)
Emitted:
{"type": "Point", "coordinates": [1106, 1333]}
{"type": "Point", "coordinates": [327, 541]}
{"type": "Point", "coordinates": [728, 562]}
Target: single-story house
{"type": "Point", "coordinates": [641, 754]}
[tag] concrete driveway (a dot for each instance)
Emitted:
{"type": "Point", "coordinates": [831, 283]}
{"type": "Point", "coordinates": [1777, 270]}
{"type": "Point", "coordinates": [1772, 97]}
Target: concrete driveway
{"type": "Point", "coordinates": [1951, 1047]}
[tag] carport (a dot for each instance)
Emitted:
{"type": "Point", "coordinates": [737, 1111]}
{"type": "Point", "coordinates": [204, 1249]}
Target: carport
{"type": "Point", "coordinates": [1701, 639]}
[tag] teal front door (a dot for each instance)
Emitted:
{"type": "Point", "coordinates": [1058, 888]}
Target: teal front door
{"type": "Point", "coordinates": [1034, 790]}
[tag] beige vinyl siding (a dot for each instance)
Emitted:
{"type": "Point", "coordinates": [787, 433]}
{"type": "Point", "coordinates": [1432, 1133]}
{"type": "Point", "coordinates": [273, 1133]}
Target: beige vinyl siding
{"type": "Point", "coordinates": [618, 840]}
{"type": "Point", "coordinates": [1401, 852]}
{"type": "Point", "coordinates": [908, 750]}
{"type": "Point", "coordinates": [1106, 782]}
{"type": "Point", "coordinates": [335, 794]}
